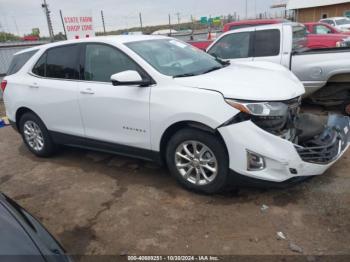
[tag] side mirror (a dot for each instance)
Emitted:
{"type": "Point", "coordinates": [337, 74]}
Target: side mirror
{"type": "Point", "coordinates": [129, 78]}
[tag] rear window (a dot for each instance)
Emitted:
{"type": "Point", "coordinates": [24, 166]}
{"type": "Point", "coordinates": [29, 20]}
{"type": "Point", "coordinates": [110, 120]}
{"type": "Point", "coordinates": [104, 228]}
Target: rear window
{"type": "Point", "coordinates": [267, 43]}
{"type": "Point", "coordinates": [299, 37]}
{"type": "Point", "coordinates": [18, 61]}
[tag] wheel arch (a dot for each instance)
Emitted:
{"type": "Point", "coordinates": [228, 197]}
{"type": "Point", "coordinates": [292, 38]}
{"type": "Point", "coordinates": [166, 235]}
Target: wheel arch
{"type": "Point", "coordinates": [20, 112]}
{"type": "Point", "coordinates": [175, 127]}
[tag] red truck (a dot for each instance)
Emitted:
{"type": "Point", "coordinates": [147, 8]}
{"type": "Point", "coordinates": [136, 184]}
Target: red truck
{"type": "Point", "coordinates": [30, 38]}
{"type": "Point", "coordinates": [249, 23]}
{"type": "Point", "coordinates": [316, 37]}
{"type": "Point", "coordinates": [322, 35]}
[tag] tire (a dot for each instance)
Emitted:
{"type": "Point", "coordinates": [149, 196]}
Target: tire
{"type": "Point", "coordinates": [41, 145]}
{"type": "Point", "coordinates": [211, 148]}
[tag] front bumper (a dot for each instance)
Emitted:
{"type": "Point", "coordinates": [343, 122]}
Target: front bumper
{"type": "Point", "coordinates": [284, 160]}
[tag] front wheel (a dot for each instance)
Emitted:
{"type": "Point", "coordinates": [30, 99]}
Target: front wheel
{"type": "Point", "coordinates": [198, 160]}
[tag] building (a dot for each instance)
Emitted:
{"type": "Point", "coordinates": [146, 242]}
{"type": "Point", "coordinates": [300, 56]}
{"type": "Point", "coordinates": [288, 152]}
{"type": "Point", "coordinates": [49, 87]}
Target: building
{"type": "Point", "coordinates": [314, 10]}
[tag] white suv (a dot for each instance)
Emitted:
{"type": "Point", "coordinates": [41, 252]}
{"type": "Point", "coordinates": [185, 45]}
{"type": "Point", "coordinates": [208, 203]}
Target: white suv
{"type": "Point", "coordinates": [160, 99]}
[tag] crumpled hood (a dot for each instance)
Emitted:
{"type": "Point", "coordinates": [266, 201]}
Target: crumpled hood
{"type": "Point", "coordinates": [257, 81]}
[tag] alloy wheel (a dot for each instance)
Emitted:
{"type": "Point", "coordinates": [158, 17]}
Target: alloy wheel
{"type": "Point", "coordinates": [33, 135]}
{"type": "Point", "coordinates": [196, 162]}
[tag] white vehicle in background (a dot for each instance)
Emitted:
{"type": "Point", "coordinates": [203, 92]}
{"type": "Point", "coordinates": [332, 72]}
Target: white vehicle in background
{"type": "Point", "coordinates": [160, 99]}
{"type": "Point", "coordinates": [324, 72]}
{"type": "Point", "coordinates": [341, 23]}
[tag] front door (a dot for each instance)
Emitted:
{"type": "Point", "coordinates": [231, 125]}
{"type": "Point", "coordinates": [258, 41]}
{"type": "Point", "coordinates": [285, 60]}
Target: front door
{"type": "Point", "coordinates": [116, 114]}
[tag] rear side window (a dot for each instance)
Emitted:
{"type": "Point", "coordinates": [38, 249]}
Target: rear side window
{"type": "Point", "coordinates": [267, 43]}
{"type": "Point", "coordinates": [232, 46]}
{"type": "Point", "coordinates": [299, 37]}
{"type": "Point", "coordinates": [62, 62]}
{"type": "Point", "coordinates": [18, 61]}
{"type": "Point", "coordinates": [59, 62]}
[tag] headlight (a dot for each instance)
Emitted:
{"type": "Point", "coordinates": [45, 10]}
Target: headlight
{"type": "Point", "coordinates": [260, 108]}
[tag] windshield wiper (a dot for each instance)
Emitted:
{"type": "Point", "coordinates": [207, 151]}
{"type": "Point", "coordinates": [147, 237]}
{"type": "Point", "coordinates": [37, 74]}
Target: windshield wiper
{"type": "Point", "coordinates": [220, 61]}
{"type": "Point", "coordinates": [213, 69]}
{"type": "Point", "coordinates": [184, 75]}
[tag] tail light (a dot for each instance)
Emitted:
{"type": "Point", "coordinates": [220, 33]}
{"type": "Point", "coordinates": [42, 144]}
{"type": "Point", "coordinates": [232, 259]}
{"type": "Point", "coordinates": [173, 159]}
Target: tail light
{"type": "Point", "coordinates": [3, 85]}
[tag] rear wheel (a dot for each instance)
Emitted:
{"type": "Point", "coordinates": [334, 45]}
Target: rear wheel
{"type": "Point", "coordinates": [198, 160]}
{"type": "Point", "coordinates": [36, 136]}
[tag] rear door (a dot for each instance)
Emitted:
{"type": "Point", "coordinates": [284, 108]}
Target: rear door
{"type": "Point", "coordinates": [235, 46]}
{"type": "Point", "coordinates": [267, 44]}
{"type": "Point", "coordinates": [53, 89]}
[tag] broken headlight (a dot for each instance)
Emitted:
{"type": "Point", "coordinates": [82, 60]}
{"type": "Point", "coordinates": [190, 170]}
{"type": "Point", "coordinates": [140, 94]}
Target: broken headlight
{"type": "Point", "coordinates": [270, 109]}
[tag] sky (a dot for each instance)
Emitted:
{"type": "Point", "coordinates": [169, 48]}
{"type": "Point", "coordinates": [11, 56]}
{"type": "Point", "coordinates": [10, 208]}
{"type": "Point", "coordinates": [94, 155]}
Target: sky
{"type": "Point", "coordinates": [20, 16]}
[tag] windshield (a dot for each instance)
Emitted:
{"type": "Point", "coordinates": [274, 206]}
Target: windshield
{"type": "Point", "coordinates": [342, 21]}
{"type": "Point", "coordinates": [174, 58]}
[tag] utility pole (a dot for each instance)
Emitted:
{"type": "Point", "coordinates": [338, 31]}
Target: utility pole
{"type": "Point", "coordinates": [178, 18]}
{"type": "Point", "coordinates": [64, 28]}
{"type": "Point", "coordinates": [140, 16]}
{"type": "Point", "coordinates": [192, 21]}
{"type": "Point", "coordinates": [14, 20]}
{"type": "Point", "coordinates": [48, 18]}
{"type": "Point", "coordinates": [170, 24]}
{"type": "Point", "coordinates": [246, 9]}
{"type": "Point", "coordinates": [103, 22]}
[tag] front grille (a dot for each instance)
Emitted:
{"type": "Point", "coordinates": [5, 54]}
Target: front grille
{"type": "Point", "coordinates": [322, 149]}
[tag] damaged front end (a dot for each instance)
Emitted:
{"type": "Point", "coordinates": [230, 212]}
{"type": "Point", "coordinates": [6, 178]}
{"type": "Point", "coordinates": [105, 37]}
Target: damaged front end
{"type": "Point", "coordinates": [317, 139]}
{"type": "Point", "coordinates": [323, 147]}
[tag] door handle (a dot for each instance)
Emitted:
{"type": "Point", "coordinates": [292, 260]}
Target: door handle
{"type": "Point", "coordinates": [87, 91]}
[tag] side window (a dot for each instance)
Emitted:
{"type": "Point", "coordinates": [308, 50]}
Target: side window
{"type": "Point", "coordinates": [18, 61]}
{"type": "Point", "coordinates": [40, 66]}
{"type": "Point", "coordinates": [62, 62]}
{"type": "Point", "coordinates": [267, 43]}
{"type": "Point", "coordinates": [322, 30]}
{"type": "Point", "coordinates": [232, 46]}
{"type": "Point", "coordinates": [299, 37]}
{"type": "Point", "coordinates": [102, 61]}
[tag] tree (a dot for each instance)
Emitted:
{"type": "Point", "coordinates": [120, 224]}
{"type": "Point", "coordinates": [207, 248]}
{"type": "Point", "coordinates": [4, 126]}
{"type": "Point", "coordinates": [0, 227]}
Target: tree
{"type": "Point", "coordinates": [4, 37]}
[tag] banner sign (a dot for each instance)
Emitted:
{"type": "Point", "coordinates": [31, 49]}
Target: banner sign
{"type": "Point", "coordinates": [211, 21]}
{"type": "Point", "coordinates": [78, 25]}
